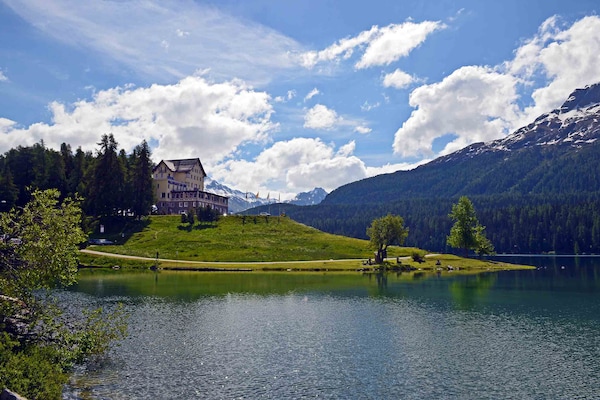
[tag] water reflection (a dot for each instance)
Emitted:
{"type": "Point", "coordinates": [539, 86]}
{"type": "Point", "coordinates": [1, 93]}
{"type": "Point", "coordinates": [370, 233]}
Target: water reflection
{"type": "Point", "coordinates": [512, 334]}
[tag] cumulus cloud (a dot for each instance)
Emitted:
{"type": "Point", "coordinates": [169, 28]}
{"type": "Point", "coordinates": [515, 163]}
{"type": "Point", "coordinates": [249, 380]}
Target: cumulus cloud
{"type": "Point", "coordinates": [3, 78]}
{"type": "Point", "coordinates": [476, 103]}
{"type": "Point", "coordinates": [382, 46]}
{"type": "Point", "coordinates": [188, 119]}
{"type": "Point", "coordinates": [397, 79]}
{"type": "Point", "coordinates": [321, 117]}
{"type": "Point", "coordinates": [568, 59]}
{"type": "Point", "coordinates": [473, 103]}
{"type": "Point", "coordinates": [295, 165]}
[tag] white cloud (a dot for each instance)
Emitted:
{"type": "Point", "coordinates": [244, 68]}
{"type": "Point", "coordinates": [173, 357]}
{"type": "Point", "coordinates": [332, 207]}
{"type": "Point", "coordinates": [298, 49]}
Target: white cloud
{"type": "Point", "coordinates": [129, 31]}
{"type": "Point", "coordinates": [192, 118]}
{"type": "Point", "coordinates": [181, 33]}
{"type": "Point", "coordinates": [473, 103]}
{"type": "Point", "coordinates": [3, 78]}
{"type": "Point", "coordinates": [296, 165]}
{"type": "Point", "coordinates": [567, 58]}
{"type": "Point", "coordinates": [362, 129]}
{"type": "Point", "coordinates": [347, 149]}
{"type": "Point", "coordinates": [382, 46]}
{"type": "Point", "coordinates": [311, 94]}
{"type": "Point", "coordinates": [396, 41]}
{"type": "Point", "coordinates": [289, 95]}
{"type": "Point", "coordinates": [397, 79]}
{"type": "Point", "coordinates": [477, 103]}
{"type": "Point", "coordinates": [368, 106]}
{"type": "Point", "coordinates": [321, 117]}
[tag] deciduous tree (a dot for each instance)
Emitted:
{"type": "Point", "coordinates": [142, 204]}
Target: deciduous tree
{"type": "Point", "coordinates": [386, 231]}
{"type": "Point", "coordinates": [38, 343]}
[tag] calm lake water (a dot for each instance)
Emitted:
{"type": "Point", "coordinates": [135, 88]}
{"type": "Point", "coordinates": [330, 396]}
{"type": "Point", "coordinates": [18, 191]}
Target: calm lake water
{"type": "Point", "coordinates": [503, 335]}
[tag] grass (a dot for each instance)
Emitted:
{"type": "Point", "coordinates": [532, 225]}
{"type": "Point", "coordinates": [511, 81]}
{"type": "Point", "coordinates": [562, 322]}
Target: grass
{"type": "Point", "coordinates": [256, 243]}
{"type": "Point", "coordinates": [234, 239]}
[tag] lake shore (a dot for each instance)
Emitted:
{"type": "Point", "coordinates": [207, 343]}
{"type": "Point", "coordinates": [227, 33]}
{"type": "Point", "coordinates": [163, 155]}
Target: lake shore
{"type": "Point", "coordinates": [431, 262]}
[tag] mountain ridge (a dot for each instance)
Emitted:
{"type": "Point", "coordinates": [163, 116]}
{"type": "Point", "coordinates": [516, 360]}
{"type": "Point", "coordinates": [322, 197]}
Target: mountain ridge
{"type": "Point", "coordinates": [241, 201]}
{"type": "Point", "coordinates": [536, 190]}
{"type": "Point", "coordinates": [510, 164]}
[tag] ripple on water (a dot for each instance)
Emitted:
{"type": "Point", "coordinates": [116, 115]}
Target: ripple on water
{"type": "Point", "coordinates": [301, 346]}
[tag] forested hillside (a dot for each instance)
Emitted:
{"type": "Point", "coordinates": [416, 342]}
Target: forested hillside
{"type": "Point", "coordinates": [537, 190]}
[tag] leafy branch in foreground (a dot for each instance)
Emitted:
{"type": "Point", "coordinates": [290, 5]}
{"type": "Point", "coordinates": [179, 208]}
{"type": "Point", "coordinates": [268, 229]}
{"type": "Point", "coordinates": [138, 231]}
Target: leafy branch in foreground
{"type": "Point", "coordinates": [39, 342]}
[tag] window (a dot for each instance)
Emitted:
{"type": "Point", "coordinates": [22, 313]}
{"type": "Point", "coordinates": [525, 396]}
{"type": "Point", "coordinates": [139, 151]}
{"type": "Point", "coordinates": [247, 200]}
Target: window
{"type": "Point", "coordinates": [163, 195]}
{"type": "Point", "coordinates": [185, 204]}
{"type": "Point", "coordinates": [180, 204]}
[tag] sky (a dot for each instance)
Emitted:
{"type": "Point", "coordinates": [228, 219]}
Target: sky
{"type": "Point", "coordinates": [280, 97]}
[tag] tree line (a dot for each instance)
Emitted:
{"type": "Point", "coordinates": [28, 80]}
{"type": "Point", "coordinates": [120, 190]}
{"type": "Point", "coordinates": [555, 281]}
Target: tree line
{"type": "Point", "coordinates": [514, 223]}
{"type": "Point", "coordinates": [110, 182]}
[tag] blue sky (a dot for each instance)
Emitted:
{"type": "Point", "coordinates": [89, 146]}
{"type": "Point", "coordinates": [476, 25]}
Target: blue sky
{"type": "Point", "coordinates": [284, 96]}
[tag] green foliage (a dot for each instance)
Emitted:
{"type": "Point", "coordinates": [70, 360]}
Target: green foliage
{"type": "Point", "coordinates": [387, 230]}
{"type": "Point", "coordinates": [208, 214]}
{"type": "Point", "coordinates": [30, 370]}
{"type": "Point", "coordinates": [141, 180]}
{"type": "Point", "coordinates": [49, 235]}
{"type": "Point", "coordinates": [467, 233]}
{"type": "Point", "coordinates": [110, 183]}
{"type": "Point", "coordinates": [463, 232]}
{"type": "Point", "coordinates": [105, 195]}
{"type": "Point", "coordinates": [44, 342]}
{"type": "Point", "coordinates": [484, 246]}
{"type": "Point", "coordinates": [418, 256]}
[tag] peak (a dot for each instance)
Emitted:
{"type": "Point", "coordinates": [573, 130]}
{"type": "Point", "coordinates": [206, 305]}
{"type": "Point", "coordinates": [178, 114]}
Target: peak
{"type": "Point", "coordinates": [581, 98]}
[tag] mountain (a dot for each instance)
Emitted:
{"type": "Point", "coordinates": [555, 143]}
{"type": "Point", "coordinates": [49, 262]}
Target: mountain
{"type": "Point", "coordinates": [536, 190]}
{"type": "Point", "coordinates": [240, 201]}
{"type": "Point", "coordinates": [556, 153]}
{"type": "Point", "coordinates": [313, 197]}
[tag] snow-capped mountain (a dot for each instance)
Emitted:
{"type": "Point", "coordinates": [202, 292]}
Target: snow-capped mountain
{"type": "Point", "coordinates": [557, 153]}
{"type": "Point", "coordinates": [240, 201]}
{"type": "Point", "coordinates": [575, 124]}
{"type": "Point", "coordinates": [311, 198]}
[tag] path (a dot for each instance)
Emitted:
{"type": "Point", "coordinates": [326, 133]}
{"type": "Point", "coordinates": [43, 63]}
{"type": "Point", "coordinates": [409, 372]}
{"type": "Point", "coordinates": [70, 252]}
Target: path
{"type": "Point", "coordinates": [101, 253]}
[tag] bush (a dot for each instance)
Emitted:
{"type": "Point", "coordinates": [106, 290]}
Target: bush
{"type": "Point", "coordinates": [32, 371]}
{"type": "Point", "coordinates": [418, 257]}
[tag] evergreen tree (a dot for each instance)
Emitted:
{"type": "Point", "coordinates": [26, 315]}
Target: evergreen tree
{"type": "Point", "coordinates": [466, 233]}
{"type": "Point", "coordinates": [8, 191]}
{"type": "Point", "coordinates": [107, 180]}
{"type": "Point", "coordinates": [141, 180]}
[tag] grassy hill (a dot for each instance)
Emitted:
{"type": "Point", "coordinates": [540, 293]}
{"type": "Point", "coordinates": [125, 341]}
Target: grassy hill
{"type": "Point", "coordinates": [236, 239]}
{"type": "Point", "coordinates": [267, 242]}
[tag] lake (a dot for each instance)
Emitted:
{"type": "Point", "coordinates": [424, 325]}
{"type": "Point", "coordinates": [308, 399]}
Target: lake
{"type": "Point", "coordinates": [508, 334]}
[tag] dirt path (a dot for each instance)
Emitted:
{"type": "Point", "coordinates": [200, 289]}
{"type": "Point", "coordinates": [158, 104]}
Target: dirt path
{"type": "Point", "coordinates": [101, 253]}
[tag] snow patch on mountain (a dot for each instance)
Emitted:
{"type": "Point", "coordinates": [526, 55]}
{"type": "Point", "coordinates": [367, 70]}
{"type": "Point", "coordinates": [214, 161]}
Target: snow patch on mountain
{"type": "Point", "coordinates": [575, 123]}
{"type": "Point", "coordinates": [240, 201]}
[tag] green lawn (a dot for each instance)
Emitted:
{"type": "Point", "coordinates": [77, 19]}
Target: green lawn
{"type": "Point", "coordinates": [232, 239]}
{"type": "Point", "coordinates": [265, 243]}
